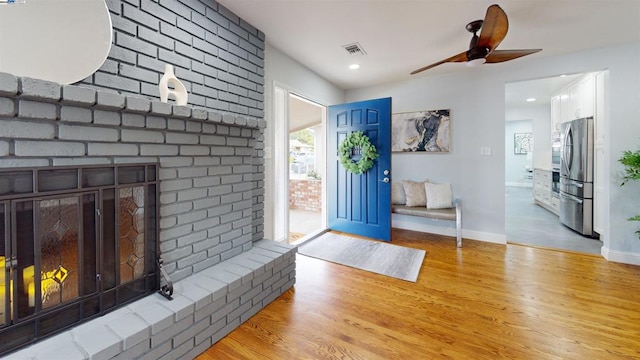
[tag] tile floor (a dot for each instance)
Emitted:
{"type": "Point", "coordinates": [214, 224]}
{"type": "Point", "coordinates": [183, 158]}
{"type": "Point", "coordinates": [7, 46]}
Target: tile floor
{"type": "Point", "coordinates": [530, 224]}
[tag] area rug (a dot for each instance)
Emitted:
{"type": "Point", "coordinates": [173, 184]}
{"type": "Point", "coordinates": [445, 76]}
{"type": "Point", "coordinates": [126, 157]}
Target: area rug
{"type": "Point", "coordinates": [379, 257]}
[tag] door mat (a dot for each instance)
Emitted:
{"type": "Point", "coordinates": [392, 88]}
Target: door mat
{"type": "Point", "coordinates": [379, 257]}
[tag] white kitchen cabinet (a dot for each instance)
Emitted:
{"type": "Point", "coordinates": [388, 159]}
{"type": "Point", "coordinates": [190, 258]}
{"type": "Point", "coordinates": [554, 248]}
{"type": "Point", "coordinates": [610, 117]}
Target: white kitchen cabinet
{"type": "Point", "coordinates": [542, 193]}
{"type": "Point", "coordinates": [574, 101]}
{"type": "Point", "coordinates": [564, 107]}
{"type": "Point", "coordinates": [555, 114]}
{"type": "Point", "coordinates": [587, 99]}
{"type": "Point", "coordinates": [555, 203]}
{"type": "Point", "coordinates": [559, 110]}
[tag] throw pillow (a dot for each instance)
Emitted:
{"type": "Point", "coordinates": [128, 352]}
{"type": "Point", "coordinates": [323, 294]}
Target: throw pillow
{"type": "Point", "coordinates": [397, 193]}
{"type": "Point", "coordinates": [439, 196]}
{"type": "Point", "coordinates": [415, 193]}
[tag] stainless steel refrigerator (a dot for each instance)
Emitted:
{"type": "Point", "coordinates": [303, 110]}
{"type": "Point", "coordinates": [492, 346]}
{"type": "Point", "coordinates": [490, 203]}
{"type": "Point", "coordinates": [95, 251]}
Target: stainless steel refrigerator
{"type": "Point", "coordinates": [576, 175]}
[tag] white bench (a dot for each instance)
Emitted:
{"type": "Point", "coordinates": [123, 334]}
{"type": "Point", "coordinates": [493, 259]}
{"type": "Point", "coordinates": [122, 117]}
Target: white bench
{"type": "Point", "coordinates": [452, 214]}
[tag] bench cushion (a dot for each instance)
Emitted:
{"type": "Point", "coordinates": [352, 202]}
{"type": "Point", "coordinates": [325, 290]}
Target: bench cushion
{"type": "Point", "coordinates": [438, 196]}
{"type": "Point", "coordinates": [397, 193]}
{"type": "Point", "coordinates": [415, 193]}
{"type": "Point", "coordinates": [441, 214]}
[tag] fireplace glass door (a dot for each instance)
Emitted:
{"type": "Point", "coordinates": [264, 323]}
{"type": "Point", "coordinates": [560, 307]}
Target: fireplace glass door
{"type": "Point", "coordinates": [74, 243]}
{"type": "Point", "coordinates": [5, 282]}
{"type": "Point", "coordinates": [55, 237]}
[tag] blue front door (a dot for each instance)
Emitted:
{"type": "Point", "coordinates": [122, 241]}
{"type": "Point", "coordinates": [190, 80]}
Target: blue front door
{"type": "Point", "coordinates": [360, 204]}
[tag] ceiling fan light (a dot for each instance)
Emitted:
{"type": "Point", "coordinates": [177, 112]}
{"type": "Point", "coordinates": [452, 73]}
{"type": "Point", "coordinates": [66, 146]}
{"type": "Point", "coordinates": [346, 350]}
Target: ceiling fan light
{"type": "Point", "coordinates": [476, 62]}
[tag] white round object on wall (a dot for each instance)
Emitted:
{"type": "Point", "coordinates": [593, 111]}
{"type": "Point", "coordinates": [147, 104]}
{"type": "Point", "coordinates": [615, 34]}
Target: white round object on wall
{"type": "Point", "coordinates": [63, 41]}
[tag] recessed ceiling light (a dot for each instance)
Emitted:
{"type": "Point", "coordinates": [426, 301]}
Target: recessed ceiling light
{"type": "Point", "coordinates": [563, 75]}
{"type": "Point", "coordinates": [531, 99]}
{"type": "Point", "coordinates": [354, 66]}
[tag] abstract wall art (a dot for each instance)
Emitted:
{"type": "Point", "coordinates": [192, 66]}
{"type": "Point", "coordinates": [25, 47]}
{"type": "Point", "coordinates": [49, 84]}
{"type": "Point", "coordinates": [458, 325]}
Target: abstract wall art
{"type": "Point", "coordinates": [522, 143]}
{"type": "Point", "coordinates": [421, 131]}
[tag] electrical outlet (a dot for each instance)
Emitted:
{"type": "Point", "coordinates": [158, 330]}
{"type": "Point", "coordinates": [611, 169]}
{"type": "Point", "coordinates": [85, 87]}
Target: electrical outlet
{"type": "Point", "coordinates": [485, 151]}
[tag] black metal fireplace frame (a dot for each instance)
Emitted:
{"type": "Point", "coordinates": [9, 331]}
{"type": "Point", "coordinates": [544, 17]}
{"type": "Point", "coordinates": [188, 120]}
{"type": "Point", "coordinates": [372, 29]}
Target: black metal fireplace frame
{"type": "Point", "coordinates": [99, 186]}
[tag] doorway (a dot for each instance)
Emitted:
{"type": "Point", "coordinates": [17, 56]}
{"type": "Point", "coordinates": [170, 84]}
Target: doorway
{"type": "Point", "coordinates": [306, 168]}
{"type": "Point", "coordinates": [295, 168]}
{"type": "Point", "coordinates": [530, 215]}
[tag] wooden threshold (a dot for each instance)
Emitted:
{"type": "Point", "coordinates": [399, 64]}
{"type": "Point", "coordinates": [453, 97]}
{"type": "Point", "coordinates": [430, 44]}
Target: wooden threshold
{"type": "Point", "coordinates": [554, 249]}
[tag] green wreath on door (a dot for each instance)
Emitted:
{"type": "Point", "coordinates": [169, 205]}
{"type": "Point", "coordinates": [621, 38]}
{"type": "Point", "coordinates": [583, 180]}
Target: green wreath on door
{"type": "Point", "coordinates": [360, 143]}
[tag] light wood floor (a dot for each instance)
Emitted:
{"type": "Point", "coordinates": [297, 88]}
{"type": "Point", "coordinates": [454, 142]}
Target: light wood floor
{"type": "Point", "coordinates": [485, 301]}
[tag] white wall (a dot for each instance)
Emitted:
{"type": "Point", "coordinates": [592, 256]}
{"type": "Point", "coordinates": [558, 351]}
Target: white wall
{"type": "Point", "coordinates": [541, 117]}
{"type": "Point", "coordinates": [476, 99]}
{"type": "Point", "coordinates": [514, 167]}
{"type": "Point", "coordinates": [286, 73]}
{"type": "Point", "coordinates": [477, 120]}
{"type": "Point", "coordinates": [295, 77]}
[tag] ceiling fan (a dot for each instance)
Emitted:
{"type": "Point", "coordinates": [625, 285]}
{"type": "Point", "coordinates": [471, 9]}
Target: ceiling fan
{"type": "Point", "coordinates": [483, 49]}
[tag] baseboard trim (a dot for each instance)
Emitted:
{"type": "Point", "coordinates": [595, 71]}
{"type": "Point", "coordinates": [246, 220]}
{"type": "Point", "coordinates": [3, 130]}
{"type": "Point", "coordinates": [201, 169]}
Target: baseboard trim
{"type": "Point", "coordinates": [485, 236]}
{"type": "Point", "coordinates": [620, 256]}
{"type": "Point", "coordinates": [397, 221]}
{"type": "Point", "coordinates": [519, 184]}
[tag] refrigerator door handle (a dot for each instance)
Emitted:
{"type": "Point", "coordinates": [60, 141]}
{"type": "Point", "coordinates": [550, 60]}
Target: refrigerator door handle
{"type": "Point", "coordinates": [568, 149]}
{"type": "Point", "coordinates": [565, 150]}
{"type": "Point", "coordinates": [575, 183]}
{"type": "Point", "coordinates": [570, 198]}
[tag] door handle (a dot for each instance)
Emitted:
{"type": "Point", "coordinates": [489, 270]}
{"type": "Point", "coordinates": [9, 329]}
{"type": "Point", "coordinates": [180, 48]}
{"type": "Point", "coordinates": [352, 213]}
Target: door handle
{"type": "Point", "coordinates": [386, 176]}
{"type": "Point", "coordinates": [569, 182]}
{"type": "Point", "coordinates": [570, 198]}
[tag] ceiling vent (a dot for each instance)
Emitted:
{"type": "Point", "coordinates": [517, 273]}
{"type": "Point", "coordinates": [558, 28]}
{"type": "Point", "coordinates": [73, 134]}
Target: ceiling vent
{"type": "Point", "coordinates": [355, 49]}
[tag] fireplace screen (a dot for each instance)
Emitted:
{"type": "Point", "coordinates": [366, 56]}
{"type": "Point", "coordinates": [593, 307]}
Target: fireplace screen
{"type": "Point", "coordinates": [74, 243]}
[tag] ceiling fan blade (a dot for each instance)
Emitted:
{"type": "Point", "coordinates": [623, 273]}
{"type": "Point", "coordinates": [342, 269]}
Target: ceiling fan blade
{"type": "Point", "coordinates": [462, 57]}
{"type": "Point", "coordinates": [505, 55]}
{"type": "Point", "coordinates": [494, 28]}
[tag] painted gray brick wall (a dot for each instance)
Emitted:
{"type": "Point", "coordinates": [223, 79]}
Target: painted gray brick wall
{"type": "Point", "coordinates": [209, 172]}
{"type": "Point", "coordinates": [211, 152]}
{"type": "Point", "coordinates": [217, 56]}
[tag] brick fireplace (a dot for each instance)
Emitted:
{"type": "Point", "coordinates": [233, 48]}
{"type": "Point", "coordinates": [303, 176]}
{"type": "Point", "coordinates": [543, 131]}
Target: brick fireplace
{"type": "Point", "coordinates": [210, 189]}
{"type": "Point", "coordinates": [210, 172]}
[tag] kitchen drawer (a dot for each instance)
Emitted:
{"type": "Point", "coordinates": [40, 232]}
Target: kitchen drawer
{"type": "Point", "coordinates": [542, 196]}
{"type": "Point", "coordinates": [542, 173]}
{"type": "Point", "coordinates": [555, 203]}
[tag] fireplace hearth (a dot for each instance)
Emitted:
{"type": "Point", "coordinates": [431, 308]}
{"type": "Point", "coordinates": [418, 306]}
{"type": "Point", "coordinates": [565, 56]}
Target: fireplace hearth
{"type": "Point", "coordinates": [75, 243]}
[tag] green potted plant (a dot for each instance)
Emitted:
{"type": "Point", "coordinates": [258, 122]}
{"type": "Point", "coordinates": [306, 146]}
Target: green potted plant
{"type": "Point", "coordinates": [631, 162]}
